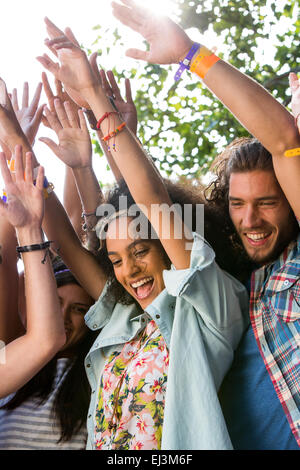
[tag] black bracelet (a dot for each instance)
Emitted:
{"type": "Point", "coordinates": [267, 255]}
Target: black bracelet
{"type": "Point", "coordinates": [36, 247]}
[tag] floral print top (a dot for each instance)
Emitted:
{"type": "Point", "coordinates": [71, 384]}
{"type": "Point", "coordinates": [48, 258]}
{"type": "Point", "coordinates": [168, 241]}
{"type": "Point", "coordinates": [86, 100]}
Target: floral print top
{"type": "Point", "coordinates": [130, 408]}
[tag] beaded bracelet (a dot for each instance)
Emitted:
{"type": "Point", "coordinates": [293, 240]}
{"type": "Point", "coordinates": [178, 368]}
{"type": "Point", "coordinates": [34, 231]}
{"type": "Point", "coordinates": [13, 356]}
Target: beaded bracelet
{"type": "Point", "coordinates": [113, 134]}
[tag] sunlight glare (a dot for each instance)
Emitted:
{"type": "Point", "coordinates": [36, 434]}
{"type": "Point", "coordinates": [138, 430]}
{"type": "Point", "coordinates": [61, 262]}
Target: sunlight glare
{"type": "Point", "coordinates": [159, 7]}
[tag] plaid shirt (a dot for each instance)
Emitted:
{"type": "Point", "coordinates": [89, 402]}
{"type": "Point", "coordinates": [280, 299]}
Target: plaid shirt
{"type": "Point", "coordinates": [275, 318]}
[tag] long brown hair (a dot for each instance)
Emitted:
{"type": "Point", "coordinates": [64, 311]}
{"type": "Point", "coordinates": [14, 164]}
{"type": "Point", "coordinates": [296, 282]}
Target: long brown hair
{"type": "Point", "coordinates": [215, 232]}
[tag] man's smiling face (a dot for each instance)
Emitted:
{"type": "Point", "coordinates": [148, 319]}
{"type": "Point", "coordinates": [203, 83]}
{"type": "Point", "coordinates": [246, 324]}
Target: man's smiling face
{"type": "Point", "coordinates": [261, 214]}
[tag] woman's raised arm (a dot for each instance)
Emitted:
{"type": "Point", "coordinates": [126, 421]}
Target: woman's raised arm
{"type": "Point", "coordinates": [255, 108]}
{"type": "Point", "coordinates": [143, 180]}
{"type": "Point", "coordinates": [45, 333]}
{"type": "Point", "coordinates": [56, 222]}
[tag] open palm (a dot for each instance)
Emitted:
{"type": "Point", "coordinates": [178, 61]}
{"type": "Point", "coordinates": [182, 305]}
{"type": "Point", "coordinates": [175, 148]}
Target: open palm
{"type": "Point", "coordinates": [74, 69]}
{"type": "Point", "coordinates": [74, 147]}
{"type": "Point", "coordinates": [25, 204]}
{"type": "Point", "coordinates": [168, 42]}
{"type": "Point", "coordinates": [28, 114]}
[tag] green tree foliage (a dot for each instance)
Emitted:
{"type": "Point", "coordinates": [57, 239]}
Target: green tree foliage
{"type": "Point", "coordinates": [181, 124]}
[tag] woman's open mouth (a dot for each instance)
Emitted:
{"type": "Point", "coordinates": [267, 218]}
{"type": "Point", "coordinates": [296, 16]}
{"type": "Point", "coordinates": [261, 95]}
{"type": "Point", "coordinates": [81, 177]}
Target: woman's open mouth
{"type": "Point", "coordinates": [143, 287]}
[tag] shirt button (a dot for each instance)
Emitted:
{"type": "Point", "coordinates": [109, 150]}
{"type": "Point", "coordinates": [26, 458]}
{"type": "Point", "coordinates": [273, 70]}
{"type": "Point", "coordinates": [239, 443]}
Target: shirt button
{"type": "Point", "coordinates": [90, 416]}
{"type": "Point", "coordinates": [95, 326]}
{"type": "Point", "coordinates": [286, 283]}
{"type": "Point", "coordinates": [157, 316]}
{"type": "Point", "coordinates": [88, 365]}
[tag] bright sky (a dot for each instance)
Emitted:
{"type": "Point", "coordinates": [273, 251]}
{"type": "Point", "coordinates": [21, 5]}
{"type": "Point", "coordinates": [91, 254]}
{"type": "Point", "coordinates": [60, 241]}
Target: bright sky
{"type": "Point", "coordinates": [22, 35]}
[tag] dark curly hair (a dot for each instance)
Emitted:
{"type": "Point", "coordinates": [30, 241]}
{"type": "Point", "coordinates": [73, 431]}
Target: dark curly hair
{"type": "Point", "coordinates": [244, 154]}
{"type": "Point", "coordinates": [215, 231]}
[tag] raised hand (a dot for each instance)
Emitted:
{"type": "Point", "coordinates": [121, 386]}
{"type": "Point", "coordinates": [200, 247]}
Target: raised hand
{"type": "Point", "coordinates": [74, 148]}
{"type": "Point", "coordinates": [126, 108]}
{"type": "Point", "coordinates": [25, 202]}
{"type": "Point", "coordinates": [168, 42]}
{"type": "Point", "coordinates": [74, 70]}
{"type": "Point", "coordinates": [28, 115]}
{"type": "Point", "coordinates": [60, 93]}
{"type": "Point", "coordinates": [9, 124]}
{"type": "Point", "coordinates": [69, 94]}
{"type": "Point", "coordinates": [295, 103]}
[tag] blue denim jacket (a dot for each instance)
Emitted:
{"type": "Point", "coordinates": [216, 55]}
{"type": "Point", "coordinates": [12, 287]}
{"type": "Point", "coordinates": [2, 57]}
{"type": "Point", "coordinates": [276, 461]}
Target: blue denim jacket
{"type": "Point", "coordinates": [201, 313]}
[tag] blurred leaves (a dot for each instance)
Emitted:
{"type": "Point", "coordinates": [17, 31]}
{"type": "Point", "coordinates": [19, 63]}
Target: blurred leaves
{"type": "Point", "coordinates": [181, 124]}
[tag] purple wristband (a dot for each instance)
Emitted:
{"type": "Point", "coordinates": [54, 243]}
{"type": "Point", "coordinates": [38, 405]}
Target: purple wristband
{"type": "Point", "coordinates": [185, 63]}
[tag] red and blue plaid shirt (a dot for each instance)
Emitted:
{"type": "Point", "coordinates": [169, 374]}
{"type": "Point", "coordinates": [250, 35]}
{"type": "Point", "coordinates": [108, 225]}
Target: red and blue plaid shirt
{"type": "Point", "coordinates": [275, 318]}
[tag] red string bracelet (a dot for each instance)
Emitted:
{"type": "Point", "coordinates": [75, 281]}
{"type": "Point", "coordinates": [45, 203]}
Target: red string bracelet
{"type": "Point", "coordinates": [105, 115]}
